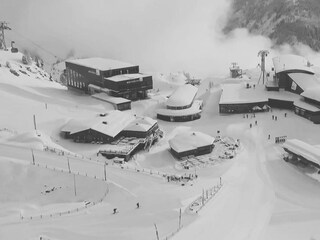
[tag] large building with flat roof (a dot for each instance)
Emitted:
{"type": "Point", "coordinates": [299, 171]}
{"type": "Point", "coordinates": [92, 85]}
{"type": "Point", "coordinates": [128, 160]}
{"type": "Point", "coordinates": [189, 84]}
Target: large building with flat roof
{"type": "Point", "coordinates": [119, 79]}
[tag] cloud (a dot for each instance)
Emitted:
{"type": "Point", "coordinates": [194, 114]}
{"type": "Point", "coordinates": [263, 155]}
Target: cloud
{"type": "Point", "coordinates": [162, 36]}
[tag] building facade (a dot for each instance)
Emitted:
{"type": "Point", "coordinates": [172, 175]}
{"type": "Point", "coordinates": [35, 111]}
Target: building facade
{"type": "Point", "coordinates": [118, 78]}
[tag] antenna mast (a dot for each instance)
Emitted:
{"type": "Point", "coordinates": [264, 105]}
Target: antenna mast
{"type": "Point", "coordinates": [263, 54]}
{"type": "Point", "coordinates": [3, 26]}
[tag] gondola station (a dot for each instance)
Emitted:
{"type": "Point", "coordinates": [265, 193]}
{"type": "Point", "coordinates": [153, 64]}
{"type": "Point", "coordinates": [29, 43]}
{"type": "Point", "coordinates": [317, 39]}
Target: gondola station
{"type": "Point", "coordinates": [294, 87]}
{"type": "Point", "coordinates": [191, 144]}
{"type": "Point", "coordinates": [117, 79]}
{"type": "Point", "coordinates": [121, 133]}
{"type": "Point", "coordinates": [181, 106]}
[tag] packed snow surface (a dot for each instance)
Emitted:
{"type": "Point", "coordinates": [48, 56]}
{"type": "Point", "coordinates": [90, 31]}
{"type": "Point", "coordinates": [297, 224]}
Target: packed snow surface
{"type": "Point", "coordinates": [183, 96]}
{"type": "Point", "coordinates": [312, 93]}
{"type": "Point", "coordinates": [126, 77]}
{"type": "Point", "coordinates": [189, 141]}
{"type": "Point", "coordinates": [102, 64]}
{"type": "Point", "coordinates": [289, 62]}
{"type": "Point", "coordinates": [305, 80]}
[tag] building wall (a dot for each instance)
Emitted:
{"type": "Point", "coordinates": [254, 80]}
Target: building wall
{"type": "Point", "coordinates": [312, 101]}
{"type": "Point", "coordinates": [114, 72]}
{"type": "Point", "coordinates": [90, 135]}
{"type": "Point", "coordinates": [287, 83]}
{"type": "Point", "coordinates": [240, 108]}
{"type": "Point", "coordinates": [186, 118]}
{"type": "Point", "coordinates": [276, 103]}
{"type": "Point", "coordinates": [129, 85]}
{"type": "Point", "coordinates": [80, 77]}
{"type": "Point", "coordinates": [136, 134]}
{"type": "Point", "coordinates": [123, 106]}
{"type": "Point", "coordinates": [195, 152]}
{"type": "Point", "coordinates": [312, 116]}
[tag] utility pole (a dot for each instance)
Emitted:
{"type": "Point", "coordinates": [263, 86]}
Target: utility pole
{"type": "Point", "coordinates": [263, 54]}
{"type": "Point", "coordinates": [3, 26]}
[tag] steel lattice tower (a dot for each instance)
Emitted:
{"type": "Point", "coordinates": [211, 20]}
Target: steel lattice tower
{"type": "Point", "coordinates": [3, 26]}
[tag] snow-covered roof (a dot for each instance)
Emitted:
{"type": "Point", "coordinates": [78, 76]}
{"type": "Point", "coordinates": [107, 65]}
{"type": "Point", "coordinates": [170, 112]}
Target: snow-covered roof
{"type": "Point", "coordinates": [112, 124]}
{"type": "Point", "coordinates": [312, 93]}
{"type": "Point", "coordinates": [302, 104]}
{"type": "Point", "coordinates": [305, 80]}
{"type": "Point", "coordinates": [194, 109]}
{"type": "Point", "coordinates": [141, 124]}
{"type": "Point", "coordinates": [190, 140]}
{"type": "Point", "coordinates": [182, 96]}
{"type": "Point", "coordinates": [238, 93]}
{"type": "Point", "coordinates": [102, 64]}
{"type": "Point", "coordinates": [290, 62]}
{"type": "Point", "coordinates": [303, 149]}
{"type": "Point", "coordinates": [126, 77]}
{"type": "Point", "coordinates": [113, 100]}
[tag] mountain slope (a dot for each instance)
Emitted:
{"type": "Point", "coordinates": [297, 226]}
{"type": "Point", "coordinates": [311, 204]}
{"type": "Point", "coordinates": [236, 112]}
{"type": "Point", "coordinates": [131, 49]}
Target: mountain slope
{"type": "Point", "coordinates": [284, 21]}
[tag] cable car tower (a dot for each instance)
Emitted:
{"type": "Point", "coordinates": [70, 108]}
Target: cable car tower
{"type": "Point", "coordinates": [3, 26]}
{"type": "Point", "coordinates": [263, 54]}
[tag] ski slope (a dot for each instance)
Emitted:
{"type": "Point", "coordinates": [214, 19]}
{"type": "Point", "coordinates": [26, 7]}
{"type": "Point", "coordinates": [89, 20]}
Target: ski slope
{"type": "Point", "coordinates": [262, 197]}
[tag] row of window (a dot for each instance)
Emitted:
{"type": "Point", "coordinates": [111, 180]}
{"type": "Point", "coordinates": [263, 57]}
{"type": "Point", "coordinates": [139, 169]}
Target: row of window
{"type": "Point", "coordinates": [121, 71]}
{"type": "Point", "coordinates": [74, 79]}
{"type": "Point", "coordinates": [76, 84]}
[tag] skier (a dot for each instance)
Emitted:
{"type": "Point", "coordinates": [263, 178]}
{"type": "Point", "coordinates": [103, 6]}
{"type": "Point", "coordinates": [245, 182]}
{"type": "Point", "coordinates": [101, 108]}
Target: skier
{"type": "Point", "coordinates": [250, 125]}
{"type": "Point", "coordinates": [115, 211]}
{"type": "Point", "coordinates": [138, 205]}
{"type": "Point", "coordinates": [256, 122]}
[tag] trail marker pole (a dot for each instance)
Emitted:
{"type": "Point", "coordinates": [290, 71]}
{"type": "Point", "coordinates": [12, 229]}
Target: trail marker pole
{"type": "Point", "coordinates": [105, 171]}
{"type": "Point", "coordinates": [34, 122]}
{"type": "Point", "coordinates": [33, 160]}
{"type": "Point", "coordinates": [157, 233]}
{"type": "Point", "coordinates": [69, 165]}
{"type": "Point", "coordinates": [179, 219]}
{"type": "Point", "coordinates": [74, 184]}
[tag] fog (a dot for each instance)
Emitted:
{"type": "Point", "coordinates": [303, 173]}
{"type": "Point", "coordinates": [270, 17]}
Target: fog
{"type": "Point", "coordinates": [159, 35]}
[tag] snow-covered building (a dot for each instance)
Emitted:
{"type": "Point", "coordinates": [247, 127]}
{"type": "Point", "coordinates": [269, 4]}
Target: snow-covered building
{"type": "Point", "coordinates": [106, 128]}
{"type": "Point", "coordinates": [191, 143]}
{"type": "Point", "coordinates": [302, 151]}
{"type": "Point", "coordinates": [292, 73]}
{"type": "Point", "coordinates": [117, 78]}
{"type": "Point", "coordinates": [181, 106]}
{"type": "Point", "coordinates": [238, 98]}
{"type": "Point", "coordinates": [117, 102]}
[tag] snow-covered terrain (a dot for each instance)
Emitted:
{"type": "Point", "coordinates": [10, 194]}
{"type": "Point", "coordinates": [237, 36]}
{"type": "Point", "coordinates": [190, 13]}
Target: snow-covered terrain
{"type": "Point", "coordinates": [58, 189]}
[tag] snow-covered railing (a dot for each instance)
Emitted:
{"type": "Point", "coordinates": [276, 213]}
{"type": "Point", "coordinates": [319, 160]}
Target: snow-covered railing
{"type": "Point", "coordinates": [202, 200]}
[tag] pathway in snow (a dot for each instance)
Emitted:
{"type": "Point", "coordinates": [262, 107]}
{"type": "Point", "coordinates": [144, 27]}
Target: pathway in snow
{"type": "Point", "coordinates": [244, 206]}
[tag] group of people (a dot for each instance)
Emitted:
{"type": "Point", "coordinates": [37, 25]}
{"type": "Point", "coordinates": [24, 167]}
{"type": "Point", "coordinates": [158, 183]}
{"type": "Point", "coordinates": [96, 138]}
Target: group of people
{"type": "Point", "coordinates": [115, 210]}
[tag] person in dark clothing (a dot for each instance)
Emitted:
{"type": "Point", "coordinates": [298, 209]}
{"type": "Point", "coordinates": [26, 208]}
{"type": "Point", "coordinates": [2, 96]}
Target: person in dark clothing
{"type": "Point", "coordinates": [138, 205]}
{"type": "Point", "coordinates": [115, 211]}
